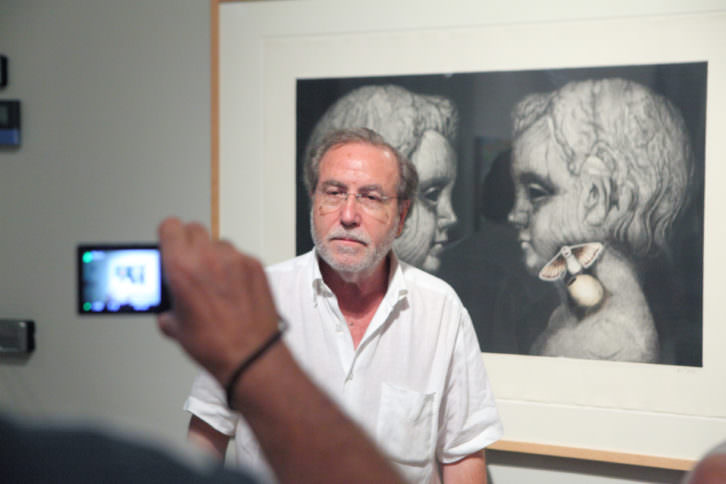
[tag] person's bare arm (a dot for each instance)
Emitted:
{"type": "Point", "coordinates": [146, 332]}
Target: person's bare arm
{"type": "Point", "coordinates": [709, 470]}
{"type": "Point", "coordinates": [222, 312]}
{"type": "Point", "coordinates": [471, 469]}
{"type": "Point", "coordinates": [205, 436]}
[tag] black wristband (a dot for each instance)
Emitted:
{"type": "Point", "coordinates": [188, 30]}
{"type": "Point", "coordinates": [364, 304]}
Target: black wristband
{"type": "Point", "coordinates": [247, 362]}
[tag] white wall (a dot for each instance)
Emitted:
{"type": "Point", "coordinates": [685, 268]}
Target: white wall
{"type": "Point", "coordinates": [115, 112]}
{"type": "Point", "coordinates": [512, 468]}
{"type": "Point", "coordinates": [115, 136]}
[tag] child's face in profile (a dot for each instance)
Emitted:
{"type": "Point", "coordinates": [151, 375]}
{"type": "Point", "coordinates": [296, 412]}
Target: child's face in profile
{"type": "Point", "coordinates": [547, 209]}
{"type": "Point", "coordinates": [426, 232]}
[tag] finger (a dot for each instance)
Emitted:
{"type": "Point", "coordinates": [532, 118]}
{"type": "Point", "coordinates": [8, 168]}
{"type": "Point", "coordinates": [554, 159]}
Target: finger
{"type": "Point", "coordinates": [171, 232]}
{"type": "Point", "coordinates": [168, 324]}
{"type": "Point", "coordinates": [235, 264]}
{"type": "Point", "coordinates": [171, 244]}
{"type": "Point", "coordinates": [225, 250]}
{"type": "Point", "coordinates": [197, 235]}
{"type": "Point", "coordinates": [225, 244]}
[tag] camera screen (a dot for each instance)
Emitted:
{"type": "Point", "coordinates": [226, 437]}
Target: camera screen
{"type": "Point", "coordinates": [120, 279]}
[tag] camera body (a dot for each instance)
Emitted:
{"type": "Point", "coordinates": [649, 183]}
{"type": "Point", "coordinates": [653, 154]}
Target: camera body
{"type": "Point", "coordinates": [120, 279]}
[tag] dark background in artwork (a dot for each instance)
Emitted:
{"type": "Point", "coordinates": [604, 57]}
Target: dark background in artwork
{"type": "Point", "coordinates": [509, 307]}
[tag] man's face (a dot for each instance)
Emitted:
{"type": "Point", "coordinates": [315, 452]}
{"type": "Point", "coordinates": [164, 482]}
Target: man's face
{"type": "Point", "coordinates": [352, 238]}
{"type": "Point", "coordinates": [426, 230]}
{"type": "Point", "coordinates": [546, 209]}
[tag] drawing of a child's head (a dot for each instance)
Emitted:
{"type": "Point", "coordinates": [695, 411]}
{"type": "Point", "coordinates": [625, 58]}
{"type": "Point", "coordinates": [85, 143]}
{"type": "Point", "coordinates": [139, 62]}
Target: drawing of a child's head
{"type": "Point", "coordinates": [598, 160]}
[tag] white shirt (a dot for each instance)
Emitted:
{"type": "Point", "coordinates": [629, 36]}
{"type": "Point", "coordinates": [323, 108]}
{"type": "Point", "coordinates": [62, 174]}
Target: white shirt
{"type": "Point", "coordinates": [416, 383]}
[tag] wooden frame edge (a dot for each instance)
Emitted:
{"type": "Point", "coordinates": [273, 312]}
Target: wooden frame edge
{"type": "Point", "coordinates": [640, 460]}
{"type": "Point", "coordinates": [214, 115]}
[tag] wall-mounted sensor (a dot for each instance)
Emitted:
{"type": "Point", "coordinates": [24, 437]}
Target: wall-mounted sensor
{"type": "Point", "coordinates": [3, 71]}
{"type": "Point", "coordinates": [9, 123]}
{"type": "Point", "coordinates": [17, 336]}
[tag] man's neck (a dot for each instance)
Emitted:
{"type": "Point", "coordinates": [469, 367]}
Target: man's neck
{"type": "Point", "coordinates": [358, 295]}
{"type": "Point", "coordinates": [360, 289]}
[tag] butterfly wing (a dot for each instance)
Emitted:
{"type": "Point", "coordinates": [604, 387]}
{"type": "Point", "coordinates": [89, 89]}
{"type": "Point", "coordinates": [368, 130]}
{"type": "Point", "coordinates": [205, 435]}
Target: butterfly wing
{"type": "Point", "coordinates": [554, 269]}
{"type": "Point", "coordinates": [587, 254]}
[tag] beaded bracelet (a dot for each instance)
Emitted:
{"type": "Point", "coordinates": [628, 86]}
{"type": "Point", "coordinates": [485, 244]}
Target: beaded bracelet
{"type": "Point", "coordinates": [247, 362]}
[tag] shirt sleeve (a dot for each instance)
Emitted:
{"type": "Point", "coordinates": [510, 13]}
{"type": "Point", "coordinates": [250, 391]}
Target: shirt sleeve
{"type": "Point", "coordinates": [207, 401]}
{"type": "Point", "coordinates": [470, 418]}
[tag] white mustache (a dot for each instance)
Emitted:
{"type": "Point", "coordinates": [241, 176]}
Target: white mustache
{"type": "Point", "coordinates": [349, 234]}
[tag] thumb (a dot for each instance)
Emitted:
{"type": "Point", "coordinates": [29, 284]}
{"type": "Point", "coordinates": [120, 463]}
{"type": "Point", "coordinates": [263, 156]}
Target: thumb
{"type": "Point", "coordinates": [168, 325]}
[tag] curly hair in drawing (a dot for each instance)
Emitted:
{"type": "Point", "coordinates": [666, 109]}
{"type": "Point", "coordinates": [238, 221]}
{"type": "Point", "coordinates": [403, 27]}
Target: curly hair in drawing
{"type": "Point", "coordinates": [641, 146]}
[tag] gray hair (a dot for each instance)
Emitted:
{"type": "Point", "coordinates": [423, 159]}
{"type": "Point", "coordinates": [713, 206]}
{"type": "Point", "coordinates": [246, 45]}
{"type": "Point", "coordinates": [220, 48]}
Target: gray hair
{"type": "Point", "coordinates": [408, 177]}
{"type": "Point", "coordinates": [642, 141]}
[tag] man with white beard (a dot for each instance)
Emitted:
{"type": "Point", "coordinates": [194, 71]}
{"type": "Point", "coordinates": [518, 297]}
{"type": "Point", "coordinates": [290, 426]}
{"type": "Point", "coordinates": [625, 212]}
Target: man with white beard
{"type": "Point", "coordinates": [393, 345]}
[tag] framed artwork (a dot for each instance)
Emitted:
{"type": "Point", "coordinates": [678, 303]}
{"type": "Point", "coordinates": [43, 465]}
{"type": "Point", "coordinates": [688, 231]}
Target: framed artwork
{"type": "Point", "coordinates": [466, 200]}
{"type": "Point", "coordinates": [277, 78]}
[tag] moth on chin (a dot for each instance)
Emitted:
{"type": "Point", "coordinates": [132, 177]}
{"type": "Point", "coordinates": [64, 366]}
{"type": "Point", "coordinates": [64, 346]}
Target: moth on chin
{"type": "Point", "coordinates": [569, 263]}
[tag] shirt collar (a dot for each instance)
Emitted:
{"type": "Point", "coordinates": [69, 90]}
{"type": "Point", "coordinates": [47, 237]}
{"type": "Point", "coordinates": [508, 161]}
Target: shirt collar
{"type": "Point", "coordinates": [397, 289]}
{"type": "Point", "coordinates": [320, 289]}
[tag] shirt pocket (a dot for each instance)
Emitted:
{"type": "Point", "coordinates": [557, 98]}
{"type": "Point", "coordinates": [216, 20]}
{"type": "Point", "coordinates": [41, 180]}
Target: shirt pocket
{"type": "Point", "coordinates": [405, 425]}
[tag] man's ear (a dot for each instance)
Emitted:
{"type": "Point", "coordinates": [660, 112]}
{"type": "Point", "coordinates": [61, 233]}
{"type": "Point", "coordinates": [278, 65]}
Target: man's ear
{"type": "Point", "coordinates": [405, 206]}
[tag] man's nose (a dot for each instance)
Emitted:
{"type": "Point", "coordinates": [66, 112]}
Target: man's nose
{"type": "Point", "coordinates": [350, 211]}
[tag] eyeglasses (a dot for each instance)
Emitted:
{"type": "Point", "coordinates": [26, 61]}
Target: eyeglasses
{"type": "Point", "coordinates": [374, 203]}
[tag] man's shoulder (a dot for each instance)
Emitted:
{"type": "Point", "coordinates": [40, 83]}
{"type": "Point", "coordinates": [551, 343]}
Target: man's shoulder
{"type": "Point", "coordinates": [290, 265]}
{"type": "Point", "coordinates": [433, 299]}
{"type": "Point", "coordinates": [291, 275]}
{"type": "Point", "coordinates": [418, 279]}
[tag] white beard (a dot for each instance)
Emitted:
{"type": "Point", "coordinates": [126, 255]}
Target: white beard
{"type": "Point", "coordinates": [364, 263]}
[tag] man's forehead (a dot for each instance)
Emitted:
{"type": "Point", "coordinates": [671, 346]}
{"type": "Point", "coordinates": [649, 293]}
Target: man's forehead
{"type": "Point", "coordinates": [358, 146]}
{"type": "Point", "coordinates": [377, 164]}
